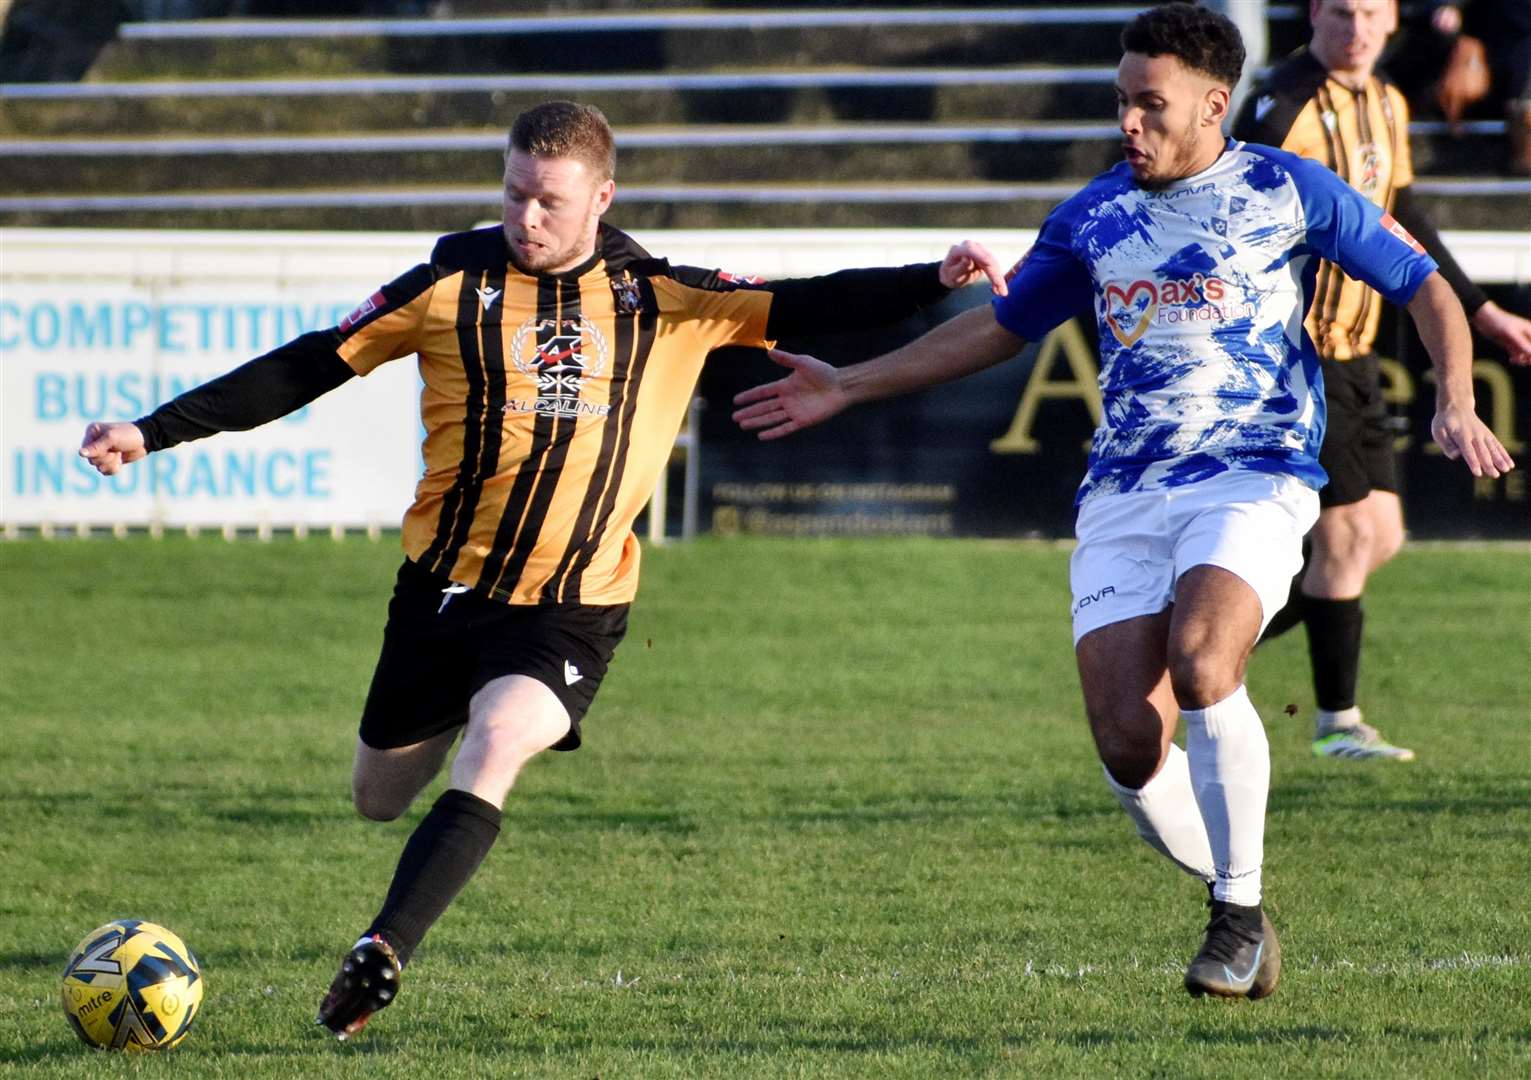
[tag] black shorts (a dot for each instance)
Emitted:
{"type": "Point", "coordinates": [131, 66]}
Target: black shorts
{"type": "Point", "coordinates": [1358, 441]}
{"type": "Point", "coordinates": [441, 647]}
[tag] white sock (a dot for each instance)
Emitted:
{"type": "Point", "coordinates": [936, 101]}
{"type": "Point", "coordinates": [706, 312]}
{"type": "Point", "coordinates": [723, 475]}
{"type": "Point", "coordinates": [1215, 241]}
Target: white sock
{"type": "Point", "coordinates": [1327, 723]}
{"type": "Point", "coordinates": [1231, 775]}
{"type": "Point", "coordinates": [1166, 814]}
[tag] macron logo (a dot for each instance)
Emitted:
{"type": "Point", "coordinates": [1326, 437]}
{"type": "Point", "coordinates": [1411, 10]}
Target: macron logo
{"type": "Point", "coordinates": [450, 591]}
{"type": "Point", "coordinates": [487, 297]}
{"type": "Point", "coordinates": [571, 674]}
{"type": "Point", "coordinates": [1263, 106]}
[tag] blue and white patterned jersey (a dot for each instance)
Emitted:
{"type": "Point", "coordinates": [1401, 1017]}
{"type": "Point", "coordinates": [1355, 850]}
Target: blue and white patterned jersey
{"type": "Point", "coordinates": [1199, 292]}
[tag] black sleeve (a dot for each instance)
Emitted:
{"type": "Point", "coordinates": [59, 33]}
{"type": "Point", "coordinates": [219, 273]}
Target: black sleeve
{"type": "Point", "coordinates": [1413, 217]}
{"type": "Point", "coordinates": [265, 389]}
{"type": "Point", "coordinates": [850, 300]}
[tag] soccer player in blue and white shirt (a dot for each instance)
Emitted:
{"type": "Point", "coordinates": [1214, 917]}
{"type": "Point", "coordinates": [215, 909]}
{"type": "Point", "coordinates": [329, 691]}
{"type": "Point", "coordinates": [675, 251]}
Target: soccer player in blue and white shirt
{"type": "Point", "coordinates": [1197, 257]}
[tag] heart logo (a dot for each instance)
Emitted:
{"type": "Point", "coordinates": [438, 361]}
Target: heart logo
{"type": "Point", "coordinates": [1117, 317]}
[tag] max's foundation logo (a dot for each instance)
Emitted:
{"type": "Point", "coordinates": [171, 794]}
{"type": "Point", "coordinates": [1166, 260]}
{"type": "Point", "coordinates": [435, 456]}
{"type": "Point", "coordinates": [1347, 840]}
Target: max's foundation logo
{"type": "Point", "coordinates": [1132, 309]}
{"type": "Point", "coordinates": [1129, 311]}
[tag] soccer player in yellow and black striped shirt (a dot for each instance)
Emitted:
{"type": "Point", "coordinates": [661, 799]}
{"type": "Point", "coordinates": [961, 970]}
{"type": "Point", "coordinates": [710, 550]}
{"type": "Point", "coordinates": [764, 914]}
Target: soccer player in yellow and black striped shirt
{"type": "Point", "coordinates": [1327, 102]}
{"type": "Point", "coordinates": [558, 359]}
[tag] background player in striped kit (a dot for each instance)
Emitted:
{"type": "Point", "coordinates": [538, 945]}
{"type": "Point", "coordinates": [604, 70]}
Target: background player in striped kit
{"type": "Point", "coordinates": [1328, 102]}
{"type": "Point", "coordinates": [558, 360]}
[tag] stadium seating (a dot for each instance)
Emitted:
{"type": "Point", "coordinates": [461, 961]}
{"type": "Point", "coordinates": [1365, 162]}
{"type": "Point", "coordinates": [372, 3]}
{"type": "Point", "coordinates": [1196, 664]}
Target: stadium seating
{"type": "Point", "coordinates": [802, 114]}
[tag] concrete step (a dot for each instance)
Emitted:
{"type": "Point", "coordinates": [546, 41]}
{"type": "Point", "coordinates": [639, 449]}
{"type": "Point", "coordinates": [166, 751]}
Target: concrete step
{"type": "Point", "coordinates": [734, 154]}
{"type": "Point", "coordinates": [876, 153]}
{"type": "Point", "coordinates": [803, 96]}
{"type": "Point", "coordinates": [1465, 203]}
{"type": "Point", "coordinates": [457, 8]}
{"type": "Point", "coordinates": [563, 45]}
{"type": "Point", "coordinates": [629, 41]}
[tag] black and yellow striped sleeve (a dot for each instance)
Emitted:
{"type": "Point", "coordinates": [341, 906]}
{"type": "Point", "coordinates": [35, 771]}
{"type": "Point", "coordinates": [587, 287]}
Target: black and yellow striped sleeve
{"type": "Point", "coordinates": [388, 324]}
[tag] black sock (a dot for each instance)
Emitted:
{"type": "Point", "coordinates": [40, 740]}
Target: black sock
{"type": "Point", "coordinates": [1292, 612]}
{"type": "Point", "coordinates": [443, 852]}
{"type": "Point", "coordinates": [1334, 646]}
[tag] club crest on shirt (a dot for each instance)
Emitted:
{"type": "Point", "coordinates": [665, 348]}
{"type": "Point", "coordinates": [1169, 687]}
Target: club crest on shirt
{"type": "Point", "coordinates": [559, 355]}
{"type": "Point", "coordinates": [627, 294]}
{"type": "Point", "coordinates": [1368, 171]}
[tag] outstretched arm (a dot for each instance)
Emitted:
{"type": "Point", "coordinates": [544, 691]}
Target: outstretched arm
{"type": "Point", "coordinates": [1456, 427]}
{"type": "Point", "coordinates": [385, 326]}
{"type": "Point", "coordinates": [850, 300]}
{"type": "Point", "coordinates": [1508, 330]}
{"type": "Point", "coordinates": [271, 386]}
{"type": "Point", "coordinates": [815, 391]}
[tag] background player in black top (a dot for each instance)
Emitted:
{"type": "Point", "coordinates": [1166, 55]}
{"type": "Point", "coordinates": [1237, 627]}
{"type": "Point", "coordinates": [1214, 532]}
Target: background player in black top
{"type": "Point", "coordinates": [557, 360]}
{"type": "Point", "coordinates": [1328, 102]}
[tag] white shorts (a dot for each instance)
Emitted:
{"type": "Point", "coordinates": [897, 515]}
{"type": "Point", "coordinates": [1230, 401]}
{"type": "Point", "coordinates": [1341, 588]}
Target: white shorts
{"type": "Point", "coordinates": [1133, 547]}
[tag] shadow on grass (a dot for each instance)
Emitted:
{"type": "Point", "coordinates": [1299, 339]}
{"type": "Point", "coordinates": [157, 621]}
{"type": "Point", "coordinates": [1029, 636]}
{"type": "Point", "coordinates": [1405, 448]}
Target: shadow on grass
{"type": "Point", "coordinates": [226, 956]}
{"type": "Point", "coordinates": [984, 1046]}
{"type": "Point", "coordinates": [54, 1051]}
{"type": "Point", "coordinates": [261, 814]}
{"type": "Point", "coordinates": [568, 1045]}
{"type": "Point", "coordinates": [81, 1059]}
{"type": "Point", "coordinates": [1353, 790]}
{"type": "Point", "coordinates": [1454, 1036]}
{"type": "Point", "coordinates": [23, 961]}
{"type": "Point", "coordinates": [785, 809]}
{"type": "Point", "coordinates": [1092, 1038]}
{"type": "Point", "coordinates": [1300, 1033]}
{"type": "Point", "coordinates": [669, 822]}
{"type": "Point", "coordinates": [193, 810]}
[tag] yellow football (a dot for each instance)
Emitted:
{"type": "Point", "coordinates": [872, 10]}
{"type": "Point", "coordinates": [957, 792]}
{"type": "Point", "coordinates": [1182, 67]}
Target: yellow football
{"type": "Point", "coordinates": [132, 985]}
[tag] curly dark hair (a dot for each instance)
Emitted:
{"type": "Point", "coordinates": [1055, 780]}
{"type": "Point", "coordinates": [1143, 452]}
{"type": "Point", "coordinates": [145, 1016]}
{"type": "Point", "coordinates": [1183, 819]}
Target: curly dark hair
{"type": "Point", "coordinates": [567, 129]}
{"type": "Point", "coordinates": [1200, 39]}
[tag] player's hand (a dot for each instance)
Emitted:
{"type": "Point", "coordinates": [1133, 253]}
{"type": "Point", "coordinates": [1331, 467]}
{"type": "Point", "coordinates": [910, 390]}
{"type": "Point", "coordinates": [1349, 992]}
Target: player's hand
{"type": "Point", "coordinates": [968, 261]}
{"type": "Point", "coordinates": [810, 395]}
{"type": "Point", "coordinates": [1510, 332]}
{"type": "Point", "coordinates": [111, 446]}
{"type": "Point", "coordinates": [1460, 434]}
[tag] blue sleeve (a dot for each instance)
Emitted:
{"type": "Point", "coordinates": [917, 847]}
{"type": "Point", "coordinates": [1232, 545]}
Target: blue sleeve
{"type": "Point", "coordinates": [1049, 285]}
{"type": "Point", "coordinates": [1355, 233]}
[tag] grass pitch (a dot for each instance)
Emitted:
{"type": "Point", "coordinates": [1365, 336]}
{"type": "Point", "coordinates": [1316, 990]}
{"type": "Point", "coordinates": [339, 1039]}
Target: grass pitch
{"type": "Point", "coordinates": [837, 815]}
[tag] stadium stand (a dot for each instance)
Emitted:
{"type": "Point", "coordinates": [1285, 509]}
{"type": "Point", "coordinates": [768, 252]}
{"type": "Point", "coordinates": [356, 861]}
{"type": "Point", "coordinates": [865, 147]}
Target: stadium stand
{"type": "Point", "coordinates": [955, 115]}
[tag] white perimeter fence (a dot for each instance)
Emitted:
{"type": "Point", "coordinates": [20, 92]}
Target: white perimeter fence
{"type": "Point", "coordinates": [105, 325]}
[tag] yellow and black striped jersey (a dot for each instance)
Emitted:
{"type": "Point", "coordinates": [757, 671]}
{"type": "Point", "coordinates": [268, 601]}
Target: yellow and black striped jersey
{"type": "Point", "coordinates": [550, 402]}
{"type": "Point", "coordinates": [1362, 134]}
{"type": "Point", "coordinates": [550, 406]}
